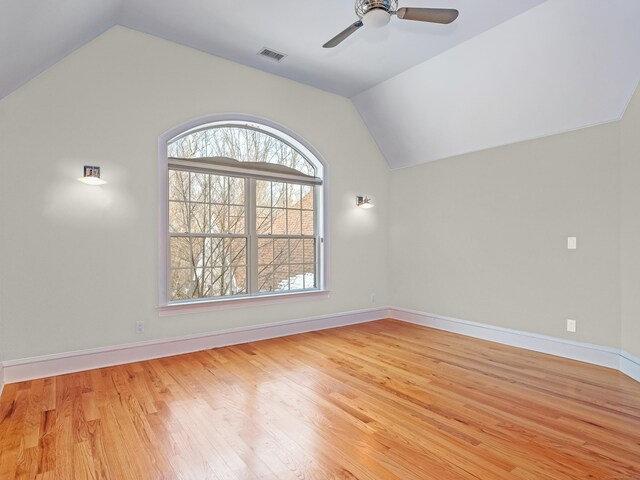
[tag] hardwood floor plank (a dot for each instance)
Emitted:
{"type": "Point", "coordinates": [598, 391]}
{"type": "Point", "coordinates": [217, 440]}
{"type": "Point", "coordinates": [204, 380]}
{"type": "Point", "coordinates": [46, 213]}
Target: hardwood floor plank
{"type": "Point", "coordinates": [381, 400]}
{"type": "Point", "coordinates": [12, 440]}
{"type": "Point", "coordinates": [47, 442]}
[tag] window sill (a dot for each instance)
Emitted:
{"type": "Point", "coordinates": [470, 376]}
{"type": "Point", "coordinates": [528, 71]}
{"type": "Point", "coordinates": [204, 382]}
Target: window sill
{"type": "Point", "coordinates": [195, 306]}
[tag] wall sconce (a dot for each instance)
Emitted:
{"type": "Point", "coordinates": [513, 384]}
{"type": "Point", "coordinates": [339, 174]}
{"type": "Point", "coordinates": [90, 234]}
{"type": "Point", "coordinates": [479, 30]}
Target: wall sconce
{"type": "Point", "coordinates": [91, 176]}
{"type": "Point", "coordinates": [363, 202]}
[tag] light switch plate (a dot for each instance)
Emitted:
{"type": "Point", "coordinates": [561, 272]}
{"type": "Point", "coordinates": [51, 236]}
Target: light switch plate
{"type": "Point", "coordinates": [572, 243]}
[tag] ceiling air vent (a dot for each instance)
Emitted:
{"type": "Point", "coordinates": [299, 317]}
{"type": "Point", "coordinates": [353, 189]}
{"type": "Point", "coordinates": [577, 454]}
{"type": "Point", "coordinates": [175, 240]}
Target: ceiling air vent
{"type": "Point", "coordinates": [272, 54]}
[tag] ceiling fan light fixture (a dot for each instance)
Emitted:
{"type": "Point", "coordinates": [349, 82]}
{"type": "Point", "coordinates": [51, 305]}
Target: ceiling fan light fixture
{"type": "Point", "coordinates": [376, 18]}
{"type": "Point", "coordinates": [377, 13]}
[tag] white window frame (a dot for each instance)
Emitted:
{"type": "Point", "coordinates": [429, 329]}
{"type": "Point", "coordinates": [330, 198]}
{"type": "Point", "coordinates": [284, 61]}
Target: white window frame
{"type": "Point", "coordinates": [168, 307]}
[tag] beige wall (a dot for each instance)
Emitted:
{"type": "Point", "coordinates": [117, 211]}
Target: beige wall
{"type": "Point", "coordinates": [79, 264]}
{"type": "Point", "coordinates": [630, 226]}
{"type": "Point", "coordinates": [482, 237]}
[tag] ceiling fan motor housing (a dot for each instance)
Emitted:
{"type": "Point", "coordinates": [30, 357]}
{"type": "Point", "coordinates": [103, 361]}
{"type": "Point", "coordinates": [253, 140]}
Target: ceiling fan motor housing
{"type": "Point", "coordinates": [364, 6]}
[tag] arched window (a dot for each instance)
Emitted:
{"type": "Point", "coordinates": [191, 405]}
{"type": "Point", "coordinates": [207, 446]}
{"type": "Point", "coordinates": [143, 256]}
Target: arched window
{"type": "Point", "coordinates": [243, 214]}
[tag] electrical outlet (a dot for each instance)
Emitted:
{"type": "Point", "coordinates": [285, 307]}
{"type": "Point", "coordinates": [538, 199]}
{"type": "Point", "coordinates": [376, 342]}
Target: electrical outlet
{"type": "Point", "coordinates": [571, 325]}
{"type": "Point", "coordinates": [572, 243]}
{"type": "Point", "coordinates": [140, 326]}
{"type": "Point", "coordinates": [373, 298]}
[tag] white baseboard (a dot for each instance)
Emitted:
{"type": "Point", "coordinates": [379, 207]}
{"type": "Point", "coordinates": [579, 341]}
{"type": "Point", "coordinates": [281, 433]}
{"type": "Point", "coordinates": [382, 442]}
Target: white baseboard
{"type": "Point", "coordinates": [58, 364]}
{"type": "Point", "coordinates": [584, 352]}
{"type": "Point", "coordinates": [630, 365]}
{"type": "Point", "coordinates": [69, 362]}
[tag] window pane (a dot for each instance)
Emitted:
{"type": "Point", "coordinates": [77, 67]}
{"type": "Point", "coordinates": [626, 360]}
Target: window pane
{"type": "Point", "coordinates": [265, 278]}
{"type": "Point", "coordinates": [210, 218]}
{"type": "Point", "coordinates": [219, 191]}
{"type": "Point", "coordinates": [178, 217]}
{"type": "Point", "coordinates": [279, 222]}
{"type": "Point", "coordinates": [265, 251]}
{"type": "Point", "coordinates": [182, 284]}
{"type": "Point", "coordinates": [263, 221]}
{"type": "Point", "coordinates": [239, 279]}
{"type": "Point", "coordinates": [236, 191]}
{"type": "Point", "coordinates": [220, 267]}
{"type": "Point", "coordinates": [216, 252]}
{"type": "Point", "coordinates": [237, 251]}
{"type": "Point", "coordinates": [178, 185]}
{"type": "Point", "coordinates": [293, 195]}
{"type": "Point", "coordinates": [281, 277]}
{"type": "Point", "coordinates": [241, 143]}
{"type": "Point", "coordinates": [187, 283]}
{"type": "Point", "coordinates": [219, 215]}
{"type": "Point", "coordinates": [223, 252]}
{"type": "Point", "coordinates": [226, 281]}
{"type": "Point", "coordinates": [294, 226]}
{"type": "Point", "coordinates": [309, 276]}
{"type": "Point", "coordinates": [237, 248]}
{"type": "Point", "coordinates": [307, 197]}
{"type": "Point", "coordinates": [221, 281]}
{"type": "Point", "coordinates": [281, 251]}
{"type": "Point", "coordinates": [309, 250]}
{"type": "Point", "coordinates": [236, 219]}
{"type": "Point", "coordinates": [296, 277]}
{"type": "Point", "coordinates": [263, 193]}
{"type": "Point", "coordinates": [236, 280]}
{"type": "Point", "coordinates": [278, 195]}
{"type": "Point", "coordinates": [287, 214]}
{"type": "Point", "coordinates": [187, 252]}
{"type": "Point", "coordinates": [282, 265]}
{"type": "Point", "coordinates": [296, 251]}
{"type": "Point", "coordinates": [307, 222]}
{"type": "Point", "coordinates": [199, 187]}
{"type": "Point", "coordinates": [210, 288]}
{"type": "Point", "coordinates": [199, 220]}
{"type": "Point", "coordinates": [215, 283]}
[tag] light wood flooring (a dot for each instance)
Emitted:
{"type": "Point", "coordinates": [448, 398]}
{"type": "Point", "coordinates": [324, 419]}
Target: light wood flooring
{"type": "Point", "coordinates": [382, 400]}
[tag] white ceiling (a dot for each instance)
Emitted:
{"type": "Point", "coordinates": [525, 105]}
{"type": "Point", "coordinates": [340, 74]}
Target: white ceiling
{"type": "Point", "coordinates": [35, 34]}
{"type": "Point", "coordinates": [505, 71]}
{"type": "Point", "coordinates": [562, 65]}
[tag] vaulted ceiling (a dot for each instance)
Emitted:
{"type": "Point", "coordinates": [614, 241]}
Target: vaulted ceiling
{"type": "Point", "coordinates": [505, 71]}
{"type": "Point", "coordinates": [35, 34]}
{"type": "Point", "coordinates": [560, 66]}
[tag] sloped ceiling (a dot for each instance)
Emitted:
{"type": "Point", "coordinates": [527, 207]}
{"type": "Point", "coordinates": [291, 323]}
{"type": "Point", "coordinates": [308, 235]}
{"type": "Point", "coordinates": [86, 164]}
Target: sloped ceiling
{"type": "Point", "coordinates": [505, 71]}
{"type": "Point", "coordinates": [560, 66]}
{"type": "Point", "coordinates": [299, 28]}
{"type": "Point", "coordinates": [35, 34]}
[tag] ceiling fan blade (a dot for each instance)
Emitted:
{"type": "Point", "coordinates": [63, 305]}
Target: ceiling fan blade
{"type": "Point", "coordinates": [432, 15]}
{"type": "Point", "coordinates": [343, 35]}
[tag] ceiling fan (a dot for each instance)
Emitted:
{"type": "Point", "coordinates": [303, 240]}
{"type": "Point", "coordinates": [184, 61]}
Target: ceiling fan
{"type": "Point", "coordinates": [377, 13]}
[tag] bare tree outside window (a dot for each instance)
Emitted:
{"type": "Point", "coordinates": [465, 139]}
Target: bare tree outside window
{"type": "Point", "coordinates": [285, 230]}
{"type": "Point", "coordinates": [214, 248]}
{"type": "Point", "coordinates": [208, 246]}
{"type": "Point", "coordinates": [244, 144]}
